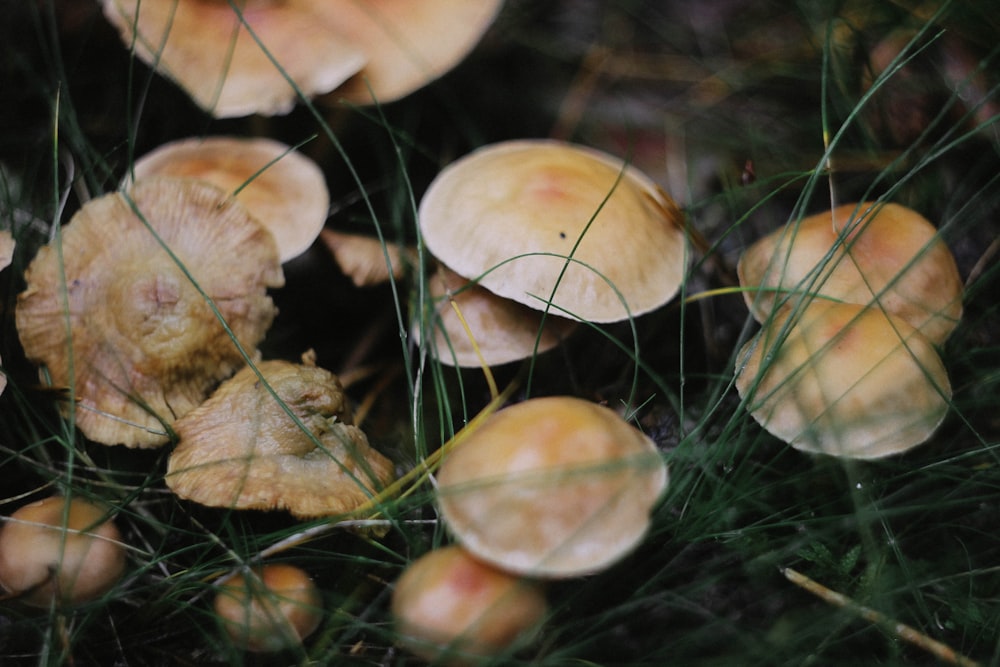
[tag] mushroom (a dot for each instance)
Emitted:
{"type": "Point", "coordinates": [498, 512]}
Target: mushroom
{"type": "Point", "coordinates": [282, 188]}
{"type": "Point", "coordinates": [258, 59]}
{"type": "Point", "coordinates": [270, 608]}
{"type": "Point", "coordinates": [60, 549]}
{"type": "Point", "coordinates": [844, 380]}
{"type": "Point", "coordinates": [241, 449]}
{"type": "Point", "coordinates": [869, 254]}
{"type": "Point", "coordinates": [407, 43]}
{"type": "Point", "coordinates": [452, 609]}
{"type": "Point", "coordinates": [551, 487]}
{"type": "Point", "coordinates": [7, 244]}
{"type": "Point", "coordinates": [501, 330]}
{"type": "Point", "coordinates": [541, 220]}
{"type": "Point", "coordinates": [365, 259]}
{"type": "Point", "coordinates": [125, 306]}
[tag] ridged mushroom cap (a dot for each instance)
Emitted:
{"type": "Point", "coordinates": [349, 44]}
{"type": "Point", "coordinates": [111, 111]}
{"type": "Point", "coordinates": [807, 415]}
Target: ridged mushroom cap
{"type": "Point", "coordinates": [109, 311]}
{"type": "Point", "coordinates": [241, 449]}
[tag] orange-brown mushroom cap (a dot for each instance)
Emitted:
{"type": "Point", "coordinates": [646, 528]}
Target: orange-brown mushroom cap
{"type": "Point", "coordinates": [866, 253]}
{"type": "Point", "coordinates": [843, 380]}
{"type": "Point", "coordinates": [241, 449]}
{"type": "Point", "coordinates": [407, 43]}
{"type": "Point", "coordinates": [453, 609]}
{"type": "Point", "coordinates": [269, 608]}
{"type": "Point", "coordinates": [510, 214]}
{"type": "Point", "coordinates": [551, 487]}
{"type": "Point", "coordinates": [62, 550]}
{"type": "Point", "coordinates": [206, 47]}
{"type": "Point", "coordinates": [282, 188]}
{"type": "Point", "coordinates": [111, 313]}
{"type": "Point", "coordinates": [501, 330]}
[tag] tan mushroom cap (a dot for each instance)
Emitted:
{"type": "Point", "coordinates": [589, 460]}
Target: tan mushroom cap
{"type": "Point", "coordinates": [844, 380]}
{"type": "Point", "coordinates": [551, 487]}
{"type": "Point", "coordinates": [282, 188]}
{"type": "Point", "coordinates": [503, 330]}
{"type": "Point", "coordinates": [860, 253]}
{"type": "Point", "coordinates": [144, 346]}
{"type": "Point", "coordinates": [7, 245]}
{"type": "Point", "coordinates": [365, 259]}
{"type": "Point", "coordinates": [206, 49]}
{"type": "Point", "coordinates": [512, 213]}
{"type": "Point", "coordinates": [62, 550]}
{"type": "Point", "coordinates": [452, 609]}
{"type": "Point", "coordinates": [407, 43]}
{"type": "Point", "coordinates": [240, 449]}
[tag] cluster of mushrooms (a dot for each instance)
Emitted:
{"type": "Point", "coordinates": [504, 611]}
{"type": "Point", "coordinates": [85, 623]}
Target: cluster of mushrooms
{"type": "Point", "coordinates": [148, 308]}
{"type": "Point", "coordinates": [150, 304]}
{"type": "Point", "coordinates": [854, 304]}
{"type": "Point", "coordinates": [549, 488]}
{"type": "Point", "coordinates": [242, 57]}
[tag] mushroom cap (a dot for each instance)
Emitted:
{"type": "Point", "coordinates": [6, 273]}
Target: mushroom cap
{"type": "Point", "coordinates": [49, 550]}
{"type": "Point", "coordinates": [859, 253]}
{"type": "Point", "coordinates": [282, 188]}
{"type": "Point", "coordinates": [204, 46]}
{"type": "Point", "coordinates": [504, 331]}
{"type": "Point", "coordinates": [241, 450]}
{"type": "Point", "coordinates": [7, 244]}
{"type": "Point", "coordinates": [407, 43]}
{"type": "Point", "coordinates": [274, 607]}
{"type": "Point", "coordinates": [843, 380]}
{"type": "Point", "coordinates": [453, 609]}
{"type": "Point", "coordinates": [509, 214]}
{"type": "Point", "coordinates": [111, 313]}
{"type": "Point", "coordinates": [365, 259]}
{"type": "Point", "coordinates": [551, 487]}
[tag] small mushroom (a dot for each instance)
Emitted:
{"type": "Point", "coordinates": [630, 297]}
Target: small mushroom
{"type": "Point", "coordinates": [501, 330]}
{"type": "Point", "coordinates": [843, 380]}
{"type": "Point", "coordinates": [866, 253]}
{"type": "Point", "coordinates": [452, 609]}
{"type": "Point", "coordinates": [117, 309]}
{"type": "Point", "coordinates": [407, 43]}
{"type": "Point", "coordinates": [237, 63]}
{"type": "Point", "coordinates": [551, 487]}
{"type": "Point", "coordinates": [60, 549]}
{"type": "Point", "coordinates": [366, 260]}
{"type": "Point", "coordinates": [241, 449]}
{"type": "Point", "coordinates": [270, 608]}
{"type": "Point", "coordinates": [534, 219]}
{"type": "Point", "coordinates": [282, 188]}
